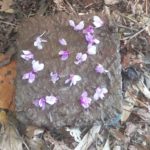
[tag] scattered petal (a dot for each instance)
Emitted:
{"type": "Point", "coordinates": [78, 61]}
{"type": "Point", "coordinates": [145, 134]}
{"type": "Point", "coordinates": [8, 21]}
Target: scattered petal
{"type": "Point", "coordinates": [27, 55]}
{"type": "Point", "coordinates": [91, 49]}
{"type": "Point", "coordinates": [51, 99]}
{"type": "Point", "coordinates": [77, 27]}
{"type": "Point", "coordinates": [64, 54]}
{"type": "Point", "coordinates": [71, 23]}
{"type": "Point", "coordinates": [80, 26]}
{"type": "Point", "coordinates": [63, 42]}
{"type": "Point", "coordinates": [100, 69]}
{"type": "Point", "coordinates": [85, 101]}
{"type": "Point", "coordinates": [97, 21]}
{"type": "Point", "coordinates": [37, 66]}
{"type": "Point", "coordinates": [54, 77]}
{"type": "Point", "coordinates": [38, 42]}
{"type": "Point", "coordinates": [42, 103]}
{"type": "Point", "coordinates": [80, 58]}
{"type": "Point", "coordinates": [100, 93]}
{"type": "Point", "coordinates": [73, 79]}
{"type": "Point", "coordinates": [30, 76]}
{"type": "Point", "coordinates": [89, 30]}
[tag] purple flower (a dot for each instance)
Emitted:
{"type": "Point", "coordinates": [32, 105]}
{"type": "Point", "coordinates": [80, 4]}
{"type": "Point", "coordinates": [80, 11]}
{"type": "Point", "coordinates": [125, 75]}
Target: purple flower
{"type": "Point", "coordinates": [91, 40]}
{"type": "Point", "coordinates": [80, 58]}
{"type": "Point", "coordinates": [63, 42]}
{"type": "Point", "coordinates": [89, 30]}
{"type": "Point", "coordinates": [100, 93]}
{"type": "Point", "coordinates": [38, 42]}
{"type": "Point", "coordinates": [54, 77]}
{"type": "Point", "coordinates": [91, 49]}
{"type": "Point", "coordinates": [36, 66]}
{"type": "Point", "coordinates": [73, 79]}
{"type": "Point", "coordinates": [97, 21]}
{"type": "Point", "coordinates": [51, 100]}
{"type": "Point", "coordinates": [64, 54]}
{"type": "Point", "coordinates": [85, 101]}
{"type": "Point", "coordinates": [77, 27]}
{"type": "Point", "coordinates": [40, 103]}
{"type": "Point", "coordinates": [27, 55]}
{"type": "Point", "coordinates": [30, 76]}
{"type": "Point", "coordinates": [100, 69]}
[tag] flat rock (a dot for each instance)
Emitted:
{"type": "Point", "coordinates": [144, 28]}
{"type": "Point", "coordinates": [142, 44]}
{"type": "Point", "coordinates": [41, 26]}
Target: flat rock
{"type": "Point", "coordinates": [67, 111]}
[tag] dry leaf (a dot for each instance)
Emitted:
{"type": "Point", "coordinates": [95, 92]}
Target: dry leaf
{"type": "Point", "coordinates": [5, 6]}
{"type": "Point", "coordinates": [107, 145]}
{"type": "Point", "coordinates": [88, 138]}
{"type": "Point", "coordinates": [7, 87]}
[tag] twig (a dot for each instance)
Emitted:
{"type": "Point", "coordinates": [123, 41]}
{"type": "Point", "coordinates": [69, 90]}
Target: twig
{"type": "Point", "coordinates": [136, 34]}
{"type": "Point", "coordinates": [8, 23]}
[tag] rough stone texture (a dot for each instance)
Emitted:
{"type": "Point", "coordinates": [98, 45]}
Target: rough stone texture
{"type": "Point", "coordinates": [67, 112]}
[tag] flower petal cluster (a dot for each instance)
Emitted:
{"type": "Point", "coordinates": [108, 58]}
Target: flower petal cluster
{"type": "Point", "coordinates": [100, 93]}
{"type": "Point", "coordinates": [64, 54]}
{"type": "Point", "coordinates": [80, 57]}
{"type": "Point", "coordinates": [78, 27]}
{"type": "Point", "coordinates": [54, 77]}
{"type": "Point", "coordinates": [38, 42]}
{"type": "Point", "coordinates": [100, 69]}
{"type": "Point", "coordinates": [51, 100]}
{"type": "Point", "coordinates": [85, 101]}
{"type": "Point", "coordinates": [73, 79]}
{"type": "Point", "coordinates": [27, 55]}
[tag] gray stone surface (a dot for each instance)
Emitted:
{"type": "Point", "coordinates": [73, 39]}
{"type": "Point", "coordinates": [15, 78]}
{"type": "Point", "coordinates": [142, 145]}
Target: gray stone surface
{"type": "Point", "coordinates": [67, 112]}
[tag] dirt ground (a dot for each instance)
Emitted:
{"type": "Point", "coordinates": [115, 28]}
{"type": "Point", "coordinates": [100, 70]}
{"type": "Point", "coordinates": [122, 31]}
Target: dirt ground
{"type": "Point", "coordinates": [124, 128]}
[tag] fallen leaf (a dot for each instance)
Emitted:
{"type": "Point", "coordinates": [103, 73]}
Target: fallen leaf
{"type": "Point", "coordinates": [5, 6]}
{"type": "Point", "coordinates": [88, 138]}
{"type": "Point", "coordinates": [107, 145]}
{"type": "Point", "coordinates": [7, 87]}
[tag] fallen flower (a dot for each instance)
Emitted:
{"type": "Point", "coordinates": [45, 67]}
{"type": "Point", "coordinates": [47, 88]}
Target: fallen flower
{"type": "Point", "coordinates": [64, 54]}
{"type": "Point", "coordinates": [85, 101]}
{"type": "Point", "coordinates": [51, 100]}
{"type": "Point", "coordinates": [88, 30]}
{"type": "Point", "coordinates": [38, 42]}
{"type": "Point", "coordinates": [80, 58]}
{"type": "Point", "coordinates": [30, 76]}
{"type": "Point", "coordinates": [54, 77]}
{"type": "Point", "coordinates": [73, 79]}
{"type": "Point", "coordinates": [97, 21]}
{"type": "Point", "coordinates": [27, 55]}
{"type": "Point", "coordinates": [36, 66]}
{"type": "Point", "coordinates": [91, 40]}
{"type": "Point", "coordinates": [100, 69]}
{"type": "Point", "coordinates": [100, 93]}
{"type": "Point", "coordinates": [91, 49]}
{"type": "Point", "coordinates": [40, 103]}
{"type": "Point", "coordinates": [77, 27]}
{"type": "Point", "coordinates": [63, 42]}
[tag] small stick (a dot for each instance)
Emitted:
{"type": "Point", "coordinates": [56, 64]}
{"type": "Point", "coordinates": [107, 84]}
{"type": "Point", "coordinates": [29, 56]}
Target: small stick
{"type": "Point", "coordinates": [8, 23]}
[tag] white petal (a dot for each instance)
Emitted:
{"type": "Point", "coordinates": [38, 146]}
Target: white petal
{"type": "Point", "coordinates": [84, 57]}
{"type": "Point", "coordinates": [80, 26]}
{"type": "Point", "coordinates": [63, 42]}
{"type": "Point", "coordinates": [91, 49]}
{"type": "Point", "coordinates": [104, 90]}
{"type": "Point", "coordinates": [37, 66]}
{"type": "Point", "coordinates": [96, 18]}
{"type": "Point", "coordinates": [51, 100]}
{"type": "Point", "coordinates": [71, 23]}
{"type": "Point", "coordinates": [96, 96]}
{"type": "Point", "coordinates": [26, 76]}
{"type": "Point", "coordinates": [67, 81]}
{"type": "Point", "coordinates": [26, 52]}
{"type": "Point", "coordinates": [96, 41]}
